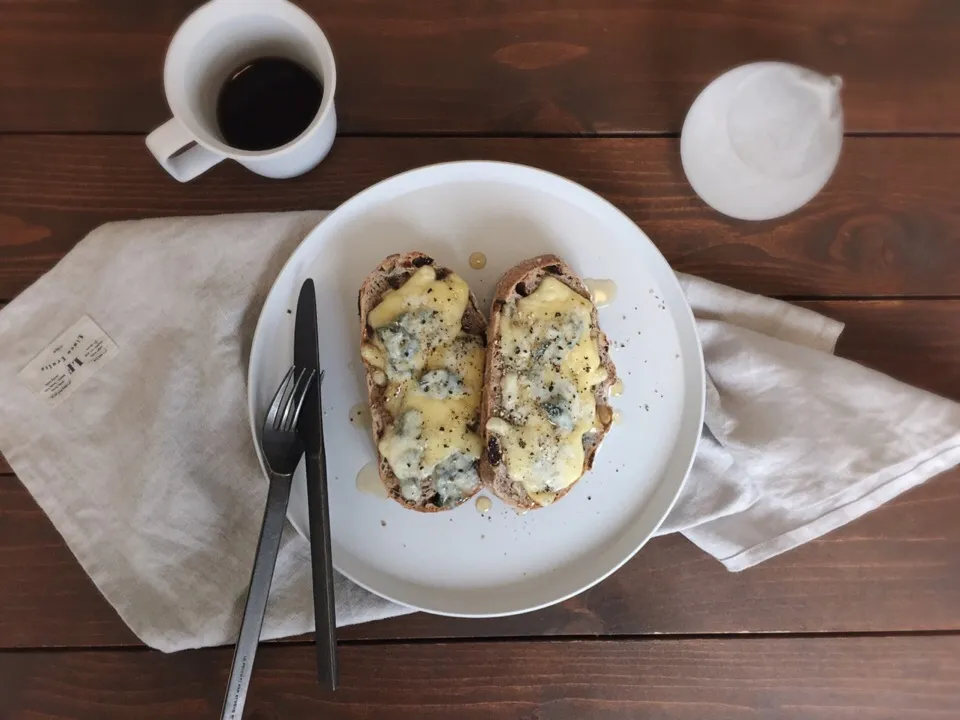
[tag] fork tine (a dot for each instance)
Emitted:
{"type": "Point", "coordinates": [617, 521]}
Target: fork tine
{"type": "Point", "coordinates": [298, 401]}
{"type": "Point", "coordinates": [292, 402]}
{"type": "Point", "coordinates": [277, 402]}
{"type": "Point", "coordinates": [285, 399]}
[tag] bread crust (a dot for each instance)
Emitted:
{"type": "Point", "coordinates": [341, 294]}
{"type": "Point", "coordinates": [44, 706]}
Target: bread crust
{"type": "Point", "coordinates": [517, 282]}
{"type": "Point", "coordinates": [391, 273]}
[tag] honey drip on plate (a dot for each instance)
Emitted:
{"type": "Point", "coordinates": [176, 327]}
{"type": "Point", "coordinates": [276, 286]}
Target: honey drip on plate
{"type": "Point", "coordinates": [369, 482]}
{"type": "Point", "coordinates": [483, 505]}
{"type": "Point", "coordinates": [616, 390]}
{"type": "Point", "coordinates": [478, 261]}
{"type": "Point", "coordinates": [602, 291]}
{"type": "Point", "coordinates": [360, 415]}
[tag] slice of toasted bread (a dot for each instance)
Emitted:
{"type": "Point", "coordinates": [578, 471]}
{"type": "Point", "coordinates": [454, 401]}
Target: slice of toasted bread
{"type": "Point", "coordinates": [518, 282]}
{"type": "Point", "coordinates": [392, 274]}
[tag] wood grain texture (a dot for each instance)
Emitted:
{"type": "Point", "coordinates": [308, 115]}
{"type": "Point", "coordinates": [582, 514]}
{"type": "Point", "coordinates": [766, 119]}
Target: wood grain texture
{"type": "Point", "coordinates": [734, 679]}
{"type": "Point", "coordinates": [888, 223]}
{"type": "Point", "coordinates": [32, 551]}
{"type": "Point", "coordinates": [917, 342]}
{"type": "Point", "coordinates": [894, 570]}
{"type": "Point", "coordinates": [897, 569]}
{"type": "Point", "coordinates": [540, 66]}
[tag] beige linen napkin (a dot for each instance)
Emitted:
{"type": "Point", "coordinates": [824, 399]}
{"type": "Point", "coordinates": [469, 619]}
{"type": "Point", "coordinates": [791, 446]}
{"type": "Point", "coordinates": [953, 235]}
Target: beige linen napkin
{"type": "Point", "coordinates": [148, 469]}
{"type": "Point", "coordinates": [141, 454]}
{"type": "Point", "coordinates": [796, 441]}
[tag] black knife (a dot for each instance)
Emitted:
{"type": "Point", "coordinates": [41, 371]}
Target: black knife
{"type": "Point", "coordinates": [306, 354]}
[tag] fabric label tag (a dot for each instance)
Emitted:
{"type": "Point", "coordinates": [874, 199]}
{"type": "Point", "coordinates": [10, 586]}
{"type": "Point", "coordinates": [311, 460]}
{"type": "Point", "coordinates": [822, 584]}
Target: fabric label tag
{"type": "Point", "coordinates": [67, 362]}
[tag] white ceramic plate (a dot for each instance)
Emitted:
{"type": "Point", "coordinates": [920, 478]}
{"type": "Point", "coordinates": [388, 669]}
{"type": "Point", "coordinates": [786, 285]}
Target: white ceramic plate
{"type": "Point", "coordinates": [460, 562]}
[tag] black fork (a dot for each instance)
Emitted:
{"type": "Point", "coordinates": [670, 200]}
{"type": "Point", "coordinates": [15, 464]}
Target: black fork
{"type": "Point", "coordinates": [282, 451]}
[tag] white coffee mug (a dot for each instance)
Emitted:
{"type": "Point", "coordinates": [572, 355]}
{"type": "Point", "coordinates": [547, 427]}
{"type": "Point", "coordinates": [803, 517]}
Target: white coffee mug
{"type": "Point", "coordinates": [214, 41]}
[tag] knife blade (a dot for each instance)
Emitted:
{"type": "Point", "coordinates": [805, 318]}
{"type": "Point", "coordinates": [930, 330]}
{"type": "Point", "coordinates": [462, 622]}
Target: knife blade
{"type": "Point", "coordinates": [306, 354]}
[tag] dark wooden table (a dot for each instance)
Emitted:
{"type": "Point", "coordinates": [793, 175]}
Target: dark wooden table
{"type": "Point", "coordinates": [863, 623]}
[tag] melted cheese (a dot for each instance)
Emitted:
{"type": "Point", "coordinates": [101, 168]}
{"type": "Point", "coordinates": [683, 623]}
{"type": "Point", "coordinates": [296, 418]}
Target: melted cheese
{"type": "Point", "coordinates": [422, 290]}
{"type": "Point", "coordinates": [446, 421]}
{"type": "Point", "coordinates": [417, 329]}
{"type": "Point", "coordinates": [552, 364]}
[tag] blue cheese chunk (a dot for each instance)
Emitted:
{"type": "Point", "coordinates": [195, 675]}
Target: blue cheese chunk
{"type": "Point", "coordinates": [441, 384]}
{"type": "Point", "coordinates": [402, 446]}
{"type": "Point", "coordinates": [455, 478]}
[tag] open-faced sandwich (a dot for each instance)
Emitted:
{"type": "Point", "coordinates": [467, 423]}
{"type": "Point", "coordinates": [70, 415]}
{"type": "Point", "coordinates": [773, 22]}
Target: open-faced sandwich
{"type": "Point", "coordinates": [422, 343]}
{"type": "Point", "coordinates": [548, 374]}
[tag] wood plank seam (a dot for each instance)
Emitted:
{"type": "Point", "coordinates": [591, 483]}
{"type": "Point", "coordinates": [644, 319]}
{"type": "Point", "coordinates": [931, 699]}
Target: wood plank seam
{"type": "Point", "coordinates": [885, 225]}
{"type": "Point", "coordinates": [307, 641]}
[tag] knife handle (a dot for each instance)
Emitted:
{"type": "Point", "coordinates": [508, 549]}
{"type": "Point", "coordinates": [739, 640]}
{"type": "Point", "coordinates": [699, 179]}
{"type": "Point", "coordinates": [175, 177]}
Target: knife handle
{"type": "Point", "coordinates": [324, 607]}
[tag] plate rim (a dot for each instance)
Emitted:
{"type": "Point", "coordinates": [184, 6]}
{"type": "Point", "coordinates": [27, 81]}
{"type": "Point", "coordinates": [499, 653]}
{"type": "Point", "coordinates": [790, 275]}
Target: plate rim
{"type": "Point", "coordinates": [427, 170]}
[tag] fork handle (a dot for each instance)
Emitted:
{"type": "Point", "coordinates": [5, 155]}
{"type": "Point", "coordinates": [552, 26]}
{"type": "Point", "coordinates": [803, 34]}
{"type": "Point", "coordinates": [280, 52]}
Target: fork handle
{"type": "Point", "coordinates": [268, 546]}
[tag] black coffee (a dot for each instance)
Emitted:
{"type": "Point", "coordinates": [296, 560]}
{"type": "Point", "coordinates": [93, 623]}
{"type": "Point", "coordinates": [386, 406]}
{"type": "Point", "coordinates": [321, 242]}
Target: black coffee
{"type": "Point", "coordinates": [267, 103]}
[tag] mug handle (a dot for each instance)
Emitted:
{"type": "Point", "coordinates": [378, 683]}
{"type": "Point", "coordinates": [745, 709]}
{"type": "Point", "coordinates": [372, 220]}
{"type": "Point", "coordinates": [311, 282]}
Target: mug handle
{"type": "Point", "coordinates": [168, 143]}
